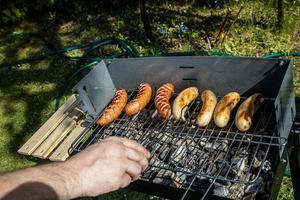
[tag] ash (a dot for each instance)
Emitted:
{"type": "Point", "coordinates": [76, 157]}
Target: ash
{"type": "Point", "coordinates": [225, 168]}
{"type": "Point", "coordinates": [214, 162]}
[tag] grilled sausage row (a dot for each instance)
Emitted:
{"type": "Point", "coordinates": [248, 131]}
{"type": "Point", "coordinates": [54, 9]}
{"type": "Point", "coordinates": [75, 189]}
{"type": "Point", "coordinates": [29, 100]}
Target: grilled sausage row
{"type": "Point", "coordinates": [119, 102]}
{"type": "Point", "coordinates": [220, 111]}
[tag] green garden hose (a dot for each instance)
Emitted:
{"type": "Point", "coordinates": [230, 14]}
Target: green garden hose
{"type": "Point", "coordinates": [128, 50]}
{"type": "Point", "coordinates": [124, 45]}
{"type": "Point", "coordinates": [281, 54]}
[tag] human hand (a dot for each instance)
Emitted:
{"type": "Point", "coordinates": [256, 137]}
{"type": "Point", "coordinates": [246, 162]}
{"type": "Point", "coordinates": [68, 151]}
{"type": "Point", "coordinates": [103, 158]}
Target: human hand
{"type": "Point", "coordinates": [106, 166]}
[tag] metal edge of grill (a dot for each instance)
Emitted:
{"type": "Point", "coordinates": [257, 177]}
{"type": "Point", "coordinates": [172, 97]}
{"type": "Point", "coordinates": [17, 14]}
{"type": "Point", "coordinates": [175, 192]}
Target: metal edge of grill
{"type": "Point", "coordinates": [263, 135]}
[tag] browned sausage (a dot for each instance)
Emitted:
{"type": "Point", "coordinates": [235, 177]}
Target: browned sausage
{"type": "Point", "coordinates": [181, 102]}
{"type": "Point", "coordinates": [209, 100]}
{"type": "Point", "coordinates": [140, 101]}
{"type": "Point", "coordinates": [114, 109]}
{"type": "Point", "coordinates": [243, 117]}
{"type": "Point", "coordinates": [162, 99]}
{"type": "Point", "coordinates": [224, 108]}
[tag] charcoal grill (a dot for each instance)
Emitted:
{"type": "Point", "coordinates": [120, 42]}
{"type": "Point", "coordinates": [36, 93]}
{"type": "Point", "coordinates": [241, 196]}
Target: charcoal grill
{"type": "Point", "coordinates": [188, 161]}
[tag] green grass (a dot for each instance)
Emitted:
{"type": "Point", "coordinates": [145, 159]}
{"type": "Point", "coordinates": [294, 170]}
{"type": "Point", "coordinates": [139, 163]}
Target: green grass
{"type": "Point", "coordinates": [27, 92]}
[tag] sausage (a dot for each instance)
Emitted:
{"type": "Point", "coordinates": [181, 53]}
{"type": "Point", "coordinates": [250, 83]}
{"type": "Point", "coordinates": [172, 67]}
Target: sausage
{"type": "Point", "coordinates": [140, 101]}
{"type": "Point", "coordinates": [114, 109]}
{"type": "Point", "coordinates": [209, 100]}
{"type": "Point", "coordinates": [181, 102]}
{"type": "Point", "coordinates": [224, 108]}
{"type": "Point", "coordinates": [162, 99]}
{"type": "Point", "coordinates": [244, 114]}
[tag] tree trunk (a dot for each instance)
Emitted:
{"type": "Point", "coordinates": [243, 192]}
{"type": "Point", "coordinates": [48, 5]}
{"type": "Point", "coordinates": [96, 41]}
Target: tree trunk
{"type": "Point", "coordinates": [279, 13]}
{"type": "Point", "coordinates": [146, 20]}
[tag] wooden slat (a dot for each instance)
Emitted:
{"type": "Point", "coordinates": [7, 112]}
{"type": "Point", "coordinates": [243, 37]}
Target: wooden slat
{"type": "Point", "coordinates": [62, 151]}
{"type": "Point", "coordinates": [42, 133]}
{"type": "Point", "coordinates": [57, 135]}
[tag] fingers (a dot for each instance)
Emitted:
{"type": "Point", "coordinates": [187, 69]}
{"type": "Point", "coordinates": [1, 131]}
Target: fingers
{"type": "Point", "coordinates": [131, 144]}
{"type": "Point", "coordinates": [126, 180]}
{"type": "Point", "coordinates": [137, 156]}
{"type": "Point", "coordinates": [135, 145]}
{"type": "Point", "coordinates": [133, 156]}
{"type": "Point", "coordinates": [133, 169]}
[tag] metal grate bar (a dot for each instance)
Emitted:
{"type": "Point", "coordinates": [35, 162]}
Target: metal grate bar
{"type": "Point", "coordinates": [182, 152]}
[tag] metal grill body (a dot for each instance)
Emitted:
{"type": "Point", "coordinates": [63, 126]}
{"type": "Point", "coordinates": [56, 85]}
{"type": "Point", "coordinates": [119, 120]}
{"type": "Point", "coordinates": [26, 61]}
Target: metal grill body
{"type": "Point", "coordinates": [193, 161]}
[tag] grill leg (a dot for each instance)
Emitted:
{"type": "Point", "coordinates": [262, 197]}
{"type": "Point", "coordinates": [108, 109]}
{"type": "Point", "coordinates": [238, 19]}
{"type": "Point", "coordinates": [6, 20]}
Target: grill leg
{"type": "Point", "coordinates": [295, 166]}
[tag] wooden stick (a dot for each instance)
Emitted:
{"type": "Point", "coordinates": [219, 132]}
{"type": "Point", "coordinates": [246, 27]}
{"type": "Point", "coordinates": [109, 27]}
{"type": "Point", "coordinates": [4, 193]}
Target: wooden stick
{"type": "Point", "coordinates": [61, 131]}
{"type": "Point", "coordinates": [43, 132]}
{"type": "Point", "coordinates": [63, 150]}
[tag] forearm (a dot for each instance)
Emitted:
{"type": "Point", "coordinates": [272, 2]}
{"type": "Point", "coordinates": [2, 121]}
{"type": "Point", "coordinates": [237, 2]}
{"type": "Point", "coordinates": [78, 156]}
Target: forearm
{"type": "Point", "coordinates": [52, 181]}
{"type": "Point", "coordinates": [103, 167]}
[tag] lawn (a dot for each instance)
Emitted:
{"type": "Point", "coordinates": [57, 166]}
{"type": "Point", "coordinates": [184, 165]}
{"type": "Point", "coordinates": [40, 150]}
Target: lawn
{"type": "Point", "coordinates": [27, 91]}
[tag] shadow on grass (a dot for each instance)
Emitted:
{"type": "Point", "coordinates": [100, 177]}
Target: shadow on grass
{"type": "Point", "coordinates": [28, 90]}
{"type": "Point", "coordinates": [29, 84]}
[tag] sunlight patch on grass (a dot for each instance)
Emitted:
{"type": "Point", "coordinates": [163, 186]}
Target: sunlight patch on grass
{"type": "Point", "coordinates": [27, 99]}
{"type": "Point", "coordinates": [33, 88]}
{"type": "Point", "coordinates": [286, 191]}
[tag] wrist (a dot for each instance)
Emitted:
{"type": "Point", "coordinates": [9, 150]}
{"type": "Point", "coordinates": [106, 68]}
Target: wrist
{"type": "Point", "coordinates": [74, 183]}
{"type": "Point", "coordinates": [64, 180]}
{"type": "Point", "coordinates": [73, 186]}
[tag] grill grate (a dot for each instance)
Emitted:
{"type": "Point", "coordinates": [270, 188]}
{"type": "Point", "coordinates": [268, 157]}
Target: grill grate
{"type": "Point", "coordinates": [184, 155]}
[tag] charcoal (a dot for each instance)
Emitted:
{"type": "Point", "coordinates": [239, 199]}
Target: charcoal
{"type": "Point", "coordinates": [149, 172]}
{"type": "Point", "coordinates": [256, 187]}
{"type": "Point", "coordinates": [181, 157]}
{"type": "Point", "coordinates": [146, 142]}
{"type": "Point", "coordinates": [183, 170]}
{"type": "Point", "coordinates": [192, 146]}
{"type": "Point", "coordinates": [221, 191]}
{"type": "Point", "coordinates": [163, 137]}
{"type": "Point", "coordinates": [154, 148]}
{"type": "Point", "coordinates": [179, 179]}
{"type": "Point", "coordinates": [179, 154]}
{"type": "Point", "coordinates": [258, 158]}
{"type": "Point", "coordinates": [240, 166]}
{"type": "Point", "coordinates": [222, 182]}
{"type": "Point", "coordinates": [217, 145]}
{"type": "Point", "coordinates": [191, 161]}
{"type": "Point", "coordinates": [236, 191]}
{"type": "Point", "coordinates": [256, 162]}
{"type": "Point", "coordinates": [200, 182]}
{"type": "Point", "coordinates": [203, 141]}
{"type": "Point", "coordinates": [167, 177]}
{"type": "Point", "coordinates": [164, 155]}
{"type": "Point", "coordinates": [154, 161]}
{"type": "Point", "coordinates": [220, 156]}
{"type": "Point", "coordinates": [203, 158]}
{"type": "Point", "coordinates": [212, 169]}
